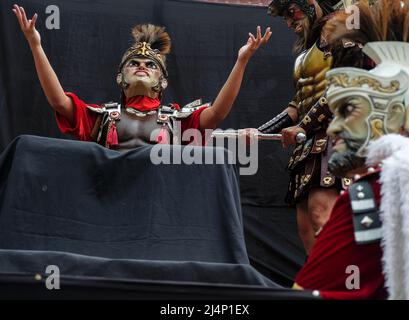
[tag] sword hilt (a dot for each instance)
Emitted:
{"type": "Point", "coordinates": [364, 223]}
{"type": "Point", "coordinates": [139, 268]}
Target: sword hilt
{"type": "Point", "coordinates": [300, 137]}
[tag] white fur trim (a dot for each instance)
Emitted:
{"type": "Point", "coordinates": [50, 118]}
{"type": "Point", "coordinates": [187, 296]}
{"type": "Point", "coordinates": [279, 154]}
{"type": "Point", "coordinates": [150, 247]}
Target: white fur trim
{"type": "Point", "coordinates": [392, 151]}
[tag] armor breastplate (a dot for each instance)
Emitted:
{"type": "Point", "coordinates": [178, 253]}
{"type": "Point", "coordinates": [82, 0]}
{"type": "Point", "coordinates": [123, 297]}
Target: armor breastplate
{"type": "Point", "coordinates": [135, 131]}
{"type": "Point", "coordinates": [135, 128]}
{"type": "Point", "coordinates": [309, 75]}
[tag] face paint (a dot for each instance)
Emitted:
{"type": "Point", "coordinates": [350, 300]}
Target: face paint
{"type": "Point", "coordinates": [295, 9]}
{"type": "Point", "coordinates": [295, 18]}
{"type": "Point", "coordinates": [295, 12]}
{"type": "Point", "coordinates": [140, 76]}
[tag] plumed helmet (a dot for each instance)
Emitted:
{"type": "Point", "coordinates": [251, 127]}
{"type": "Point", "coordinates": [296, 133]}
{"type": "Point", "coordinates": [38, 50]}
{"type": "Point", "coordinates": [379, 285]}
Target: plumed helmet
{"type": "Point", "coordinates": [151, 42]}
{"type": "Point", "coordinates": [385, 87]}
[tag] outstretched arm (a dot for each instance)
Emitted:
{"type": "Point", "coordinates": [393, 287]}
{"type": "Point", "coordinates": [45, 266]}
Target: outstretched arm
{"type": "Point", "coordinates": [211, 117]}
{"type": "Point", "coordinates": [48, 79]}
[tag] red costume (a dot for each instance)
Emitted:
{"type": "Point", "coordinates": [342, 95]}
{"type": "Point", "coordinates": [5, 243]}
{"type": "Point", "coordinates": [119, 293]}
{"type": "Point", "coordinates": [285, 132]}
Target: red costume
{"type": "Point", "coordinates": [85, 117]}
{"type": "Point", "coordinates": [336, 249]}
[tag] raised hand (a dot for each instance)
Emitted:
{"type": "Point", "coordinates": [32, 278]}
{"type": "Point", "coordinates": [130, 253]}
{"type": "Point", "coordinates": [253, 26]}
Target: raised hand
{"type": "Point", "coordinates": [27, 26]}
{"type": "Point", "coordinates": [48, 79]}
{"type": "Point", "coordinates": [253, 43]}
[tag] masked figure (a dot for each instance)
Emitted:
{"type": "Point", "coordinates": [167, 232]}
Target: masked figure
{"type": "Point", "coordinates": [139, 118]}
{"type": "Point", "coordinates": [312, 189]}
{"type": "Point", "coordinates": [345, 262]}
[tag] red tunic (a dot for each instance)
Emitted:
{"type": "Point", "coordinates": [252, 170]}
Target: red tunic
{"type": "Point", "coordinates": [335, 249]}
{"type": "Point", "coordinates": [84, 120]}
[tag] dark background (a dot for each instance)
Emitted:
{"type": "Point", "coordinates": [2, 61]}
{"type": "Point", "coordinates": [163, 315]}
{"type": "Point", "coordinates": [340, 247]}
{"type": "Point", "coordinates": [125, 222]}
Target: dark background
{"type": "Point", "coordinates": [85, 54]}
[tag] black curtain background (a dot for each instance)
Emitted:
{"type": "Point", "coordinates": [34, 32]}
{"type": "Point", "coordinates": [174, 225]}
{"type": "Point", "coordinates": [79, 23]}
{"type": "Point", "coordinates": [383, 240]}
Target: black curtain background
{"type": "Point", "coordinates": [85, 53]}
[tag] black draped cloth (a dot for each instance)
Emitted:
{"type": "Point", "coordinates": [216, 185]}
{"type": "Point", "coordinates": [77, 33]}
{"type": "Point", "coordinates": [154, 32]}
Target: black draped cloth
{"type": "Point", "coordinates": [79, 197]}
{"type": "Point", "coordinates": [119, 218]}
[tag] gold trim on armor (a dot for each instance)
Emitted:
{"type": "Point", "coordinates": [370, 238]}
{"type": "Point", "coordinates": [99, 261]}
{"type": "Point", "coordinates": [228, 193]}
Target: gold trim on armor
{"type": "Point", "coordinates": [305, 179]}
{"type": "Point", "coordinates": [344, 81]}
{"type": "Point", "coordinates": [144, 49]}
{"type": "Point", "coordinates": [323, 101]}
{"type": "Point", "coordinates": [306, 151]}
{"type": "Point", "coordinates": [328, 181]}
{"type": "Point", "coordinates": [377, 128]}
{"type": "Point", "coordinates": [321, 118]}
{"type": "Point", "coordinates": [320, 142]}
{"type": "Point", "coordinates": [296, 185]}
{"type": "Point", "coordinates": [346, 182]}
{"type": "Point", "coordinates": [306, 119]}
{"type": "Point", "coordinates": [309, 75]}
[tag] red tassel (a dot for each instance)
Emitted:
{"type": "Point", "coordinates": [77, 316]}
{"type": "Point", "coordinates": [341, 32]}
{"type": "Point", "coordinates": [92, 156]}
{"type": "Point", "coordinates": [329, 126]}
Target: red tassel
{"type": "Point", "coordinates": [163, 136]}
{"type": "Point", "coordinates": [112, 136]}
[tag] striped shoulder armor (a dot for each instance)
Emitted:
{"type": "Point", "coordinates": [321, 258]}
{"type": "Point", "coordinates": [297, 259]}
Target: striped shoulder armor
{"type": "Point", "coordinates": [366, 220]}
{"type": "Point", "coordinates": [113, 109]}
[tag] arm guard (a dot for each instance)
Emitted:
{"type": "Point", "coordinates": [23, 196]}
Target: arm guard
{"type": "Point", "coordinates": [275, 125]}
{"type": "Point", "coordinates": [317, 117]}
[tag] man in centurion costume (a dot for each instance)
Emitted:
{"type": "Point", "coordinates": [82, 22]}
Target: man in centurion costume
{"type": "Point", "coordinates": [139, 118]}
{"type": "Point", "coordinates": [312, 188]}
{"type": "Point", "coordinates": [346, 260]}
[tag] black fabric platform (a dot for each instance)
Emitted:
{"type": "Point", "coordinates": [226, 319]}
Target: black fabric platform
{"type": "Point", "coordinates": [107, 217]}
{"type": "Point", "coordinates": [79, 197]}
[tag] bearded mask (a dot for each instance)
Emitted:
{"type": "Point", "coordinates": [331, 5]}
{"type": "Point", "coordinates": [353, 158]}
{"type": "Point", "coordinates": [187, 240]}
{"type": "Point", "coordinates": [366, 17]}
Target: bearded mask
{"type": "Point", "coordinates": [367, 104]}
{"type": "Point", "coordinates": [143, 67]}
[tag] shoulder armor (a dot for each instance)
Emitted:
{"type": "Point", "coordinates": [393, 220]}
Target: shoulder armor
{"type": "Point", "coordinates": [367, 224]}
{"type": "Point", "coordinates": [108, 114]}
{"type": "Point", "coordinates": [188, 109]}
{"type": "Point", "coordinates": [298, 66]}
{"type": "Point", "coordinates": [96, 109]}
{"type": "Point", "coordinates": [113, 109]}
{"type": "Point", "coordinates": [194, 104]}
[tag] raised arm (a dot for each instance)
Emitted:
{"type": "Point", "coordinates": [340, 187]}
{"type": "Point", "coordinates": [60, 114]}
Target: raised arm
{"type": "Point", "coordinates": [48, 79]}
{"type": "Point", "coordinates": [211, 117]}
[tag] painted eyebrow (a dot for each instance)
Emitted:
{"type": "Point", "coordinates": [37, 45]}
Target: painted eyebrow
{"type": "Point", "coordinates": [147, 62]}
{"type": "Point", "coordinates": [353, 101]}
{"type": "Point", "coordinates": [349, 101]}
{"type": "Point", "coordinates": [338, 107]}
